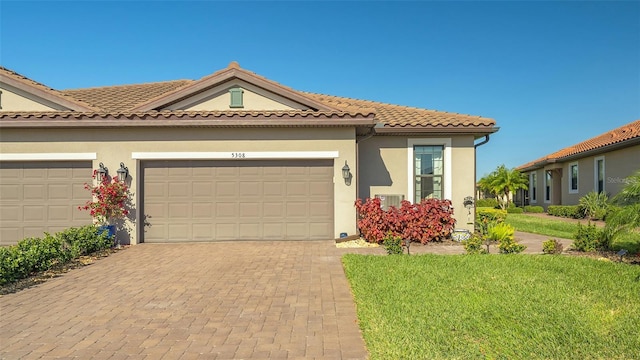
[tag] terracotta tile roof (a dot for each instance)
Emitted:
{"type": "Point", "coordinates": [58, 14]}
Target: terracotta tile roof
{"type": "Point", "coordinates": [50, 94]}
{"type": "Point", "coordinates": [397, 116]}
{"type": "Point", "coordinates": [233, 71]}
{"type": "Point", "coordinates": [124, 97]}
{"type": "Point", "coordinates": [133, 98]}
{"type": "Point", "coordinates": [624, 134]}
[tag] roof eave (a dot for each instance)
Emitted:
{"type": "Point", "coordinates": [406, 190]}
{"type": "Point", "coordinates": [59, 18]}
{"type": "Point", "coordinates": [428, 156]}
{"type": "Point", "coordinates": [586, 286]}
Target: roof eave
{"type": "Point", "coordinates": [175, 121]}
{"type": "Point", "coordinates": [603, 149]}
{"type": "Point", "coordinates": [56, 99]}
{"type": "Point", "coordinates": [440, 130]}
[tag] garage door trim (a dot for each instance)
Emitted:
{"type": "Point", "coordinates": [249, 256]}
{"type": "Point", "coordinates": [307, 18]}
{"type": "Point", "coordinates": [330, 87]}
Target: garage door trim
{"type": "Point", "coordinates": [235, 155]}
{"type": "Point", "coordinates": [48, 156]}
{"type": "Point", "coordinates": [226, 207]}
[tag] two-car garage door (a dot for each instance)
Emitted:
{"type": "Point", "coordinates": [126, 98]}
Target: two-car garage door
{"type": "Point", "coordinates": [204, 200]}
{"type": "Point", "coordinates": [38, 197]}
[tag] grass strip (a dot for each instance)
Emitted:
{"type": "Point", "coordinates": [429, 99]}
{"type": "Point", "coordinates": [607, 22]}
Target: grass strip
{"type": "Point", "coordinates": [536, 225]}
{"type": "Point", "coordinates": [496, 306]}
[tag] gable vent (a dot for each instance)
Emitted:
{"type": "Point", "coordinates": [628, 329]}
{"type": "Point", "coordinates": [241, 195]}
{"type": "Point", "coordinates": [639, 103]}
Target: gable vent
{"type": "Point", "coordinates": [236, 97]}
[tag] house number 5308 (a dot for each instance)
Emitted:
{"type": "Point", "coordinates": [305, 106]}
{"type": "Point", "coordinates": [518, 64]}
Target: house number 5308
{"type": "Point", "coordinates": [238, 155]}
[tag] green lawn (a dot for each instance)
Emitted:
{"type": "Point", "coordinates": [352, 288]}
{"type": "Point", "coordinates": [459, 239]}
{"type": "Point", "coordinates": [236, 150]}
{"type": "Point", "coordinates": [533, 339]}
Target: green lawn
{"type": "Point", "coordinates": [536, 225]}
{"type": "Point", "coordinates": [496, 307]}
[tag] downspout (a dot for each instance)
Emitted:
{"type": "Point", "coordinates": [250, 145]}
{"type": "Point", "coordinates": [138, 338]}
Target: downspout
{"type": "Point", "coordinates": [486, 140]}
{"type": "Point", "coordinates": [475, 163]}
{"type": "Point", "coordinates": [475, 175]}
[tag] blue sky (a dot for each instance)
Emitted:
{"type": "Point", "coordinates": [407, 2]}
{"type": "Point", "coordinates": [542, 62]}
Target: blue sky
{"type": "Point", "coordinates": [550, 73]}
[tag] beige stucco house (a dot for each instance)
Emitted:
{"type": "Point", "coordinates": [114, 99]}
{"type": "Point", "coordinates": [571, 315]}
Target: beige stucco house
{"type": "Point", "coordinates": [599, 164]}
{"type": "Point", "coordinates": [232, 155]}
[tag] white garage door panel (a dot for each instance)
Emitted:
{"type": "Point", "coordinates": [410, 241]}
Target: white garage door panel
{"type": "Point", "coordinates": [199, 200]}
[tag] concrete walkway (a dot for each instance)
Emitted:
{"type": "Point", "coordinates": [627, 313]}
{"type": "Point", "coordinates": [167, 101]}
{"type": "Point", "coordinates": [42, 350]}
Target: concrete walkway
{"type": "Point", "coordinates": [224, 300]}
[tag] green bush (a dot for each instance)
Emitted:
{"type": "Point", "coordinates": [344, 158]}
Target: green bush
{"type": "Point", "coordinates": [491, 203]}
{"type": "Point", "coordinates": [85, 240]}
{"type": "Point", "coordinates": [533, 209]}
{"type": "Point", "coordinates": [510, 246]}
{"type": "Point", "coordinates": [491, 214]}
{"type": "Point", "coordinates": [515, 210]}
{"type": "Point", "coordinates": [504, 234]}
{"type": "Point", "coordinates": [392, 244]}
{"type": "Point", "coordinates": [474, 245]}
{"type": "Point", "coordinates": [568, 211]}
{"type": "Point", "coordinates": [588, 238]}
{"type": "Point", "coordinates": [33, 255]}
{"type": "Point", "coordinates": [500, 231]}
{"type": "Point", "coordinates": [487, 217]}
{"type": "Point", "coordinates": [594, 205]}
{"type": "Point", "coordinates": [552, 246]}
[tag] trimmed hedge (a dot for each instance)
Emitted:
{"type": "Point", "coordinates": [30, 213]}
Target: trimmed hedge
{"type": "Point", "coordinates": [515, 210]}
{"type": "Point", "coordinates": [492, 203]}
{"type": "Point", "coordinates": [484, 214]}
{"type": "Point", "coordinates": [568, 211]}
{"type": "Point", "coordinates": [33, 255]}
{"type": "Point", "coordinates": [533, 209]}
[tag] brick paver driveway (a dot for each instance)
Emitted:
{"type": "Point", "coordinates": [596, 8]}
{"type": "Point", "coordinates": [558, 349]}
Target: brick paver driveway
{"type": "Point", "coordinates": [236, 300]}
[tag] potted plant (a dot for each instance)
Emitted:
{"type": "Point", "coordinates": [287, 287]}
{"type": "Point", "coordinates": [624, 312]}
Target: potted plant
{"type": "Point", "coordinates": [110, 201]}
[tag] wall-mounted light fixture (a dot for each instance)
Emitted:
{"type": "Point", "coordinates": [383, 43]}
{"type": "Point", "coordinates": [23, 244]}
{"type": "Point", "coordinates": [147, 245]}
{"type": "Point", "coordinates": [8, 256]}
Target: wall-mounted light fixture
{"type": "Point", "coordinates": [102, 172]}
{"type": "Point", "coordinates": [123, 173]}
{"type": "Point", "coordinates": [346, 174]}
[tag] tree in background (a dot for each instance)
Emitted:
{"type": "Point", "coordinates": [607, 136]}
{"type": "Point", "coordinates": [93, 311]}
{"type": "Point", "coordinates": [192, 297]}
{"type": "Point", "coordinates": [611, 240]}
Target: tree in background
{"type": "Point", "coordinates": [502, 182]}
{"type": "Point", "coordinates": [624, 219]}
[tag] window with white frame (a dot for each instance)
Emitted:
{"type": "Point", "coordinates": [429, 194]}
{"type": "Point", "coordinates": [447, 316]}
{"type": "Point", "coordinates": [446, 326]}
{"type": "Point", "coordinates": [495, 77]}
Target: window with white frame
{"type": "Point", "coordinates": [547, 186]}
{"type": "Point", "coordinates": [598, 176]}
{"type": "Point", "coordinates": [428, 172]}
{"type": "Point", "coordinates": [429, 164]}
{"type": "Point", "coordinates": [573, 178]}
{"type": "Point", "coordinates": [533, 179]}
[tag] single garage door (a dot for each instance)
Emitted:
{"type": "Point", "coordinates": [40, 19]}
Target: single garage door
{"type": "Point", "coordinates": [196, 200]}
{"type": "Point", "coordinates": [38, 197]}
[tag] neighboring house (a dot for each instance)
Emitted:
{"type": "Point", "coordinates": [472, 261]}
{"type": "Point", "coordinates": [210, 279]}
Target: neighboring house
{"type": "Point", "coordinates": [599, 164]}
{"type": "Point", "coordinates": [232, 155]}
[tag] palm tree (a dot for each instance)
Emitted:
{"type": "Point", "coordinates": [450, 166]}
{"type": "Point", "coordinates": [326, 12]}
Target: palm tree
{"type": "Point", "coordinates": [625, 218]}
{"type": "Point", "coordinates": [502, 182]}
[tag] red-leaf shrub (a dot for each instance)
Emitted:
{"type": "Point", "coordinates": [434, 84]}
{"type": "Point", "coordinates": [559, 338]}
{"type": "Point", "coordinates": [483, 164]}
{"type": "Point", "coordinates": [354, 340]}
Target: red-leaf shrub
{"type": "Point", "coordinates": [430, 220]}
{"type": "Point", "coordinates": [372, 220]}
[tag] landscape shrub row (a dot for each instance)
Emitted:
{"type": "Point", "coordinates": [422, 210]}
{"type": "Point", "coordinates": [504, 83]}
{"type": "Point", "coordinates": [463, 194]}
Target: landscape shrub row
{"type": "Point", "coordinates": [492, 203]}
{"type": "Point", "coordinates": [533, 209]}
{"type": "Point", "coordinates": [429, 220]}
{"type": "Point", "coordinates": [515, 210]}
{"type": "Point", "coordinates": [568, 211]}
{"type": "Point", "coordinates": [32, 255]}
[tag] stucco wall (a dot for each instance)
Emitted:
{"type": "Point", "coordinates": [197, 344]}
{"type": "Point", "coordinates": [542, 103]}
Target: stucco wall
{"type": "Point", "coordinates": [383, 162]}
{"type": "Point", "coordinates": [117, 145]}
{"type": "Point", "coordinates": [16, 100]}
{"type": "Point", "coordinates": [618, 165]}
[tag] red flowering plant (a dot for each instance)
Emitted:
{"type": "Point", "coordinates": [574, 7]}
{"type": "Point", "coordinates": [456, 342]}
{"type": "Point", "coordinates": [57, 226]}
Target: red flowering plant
{"type": "Point", "coordinates": [111, 199]}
